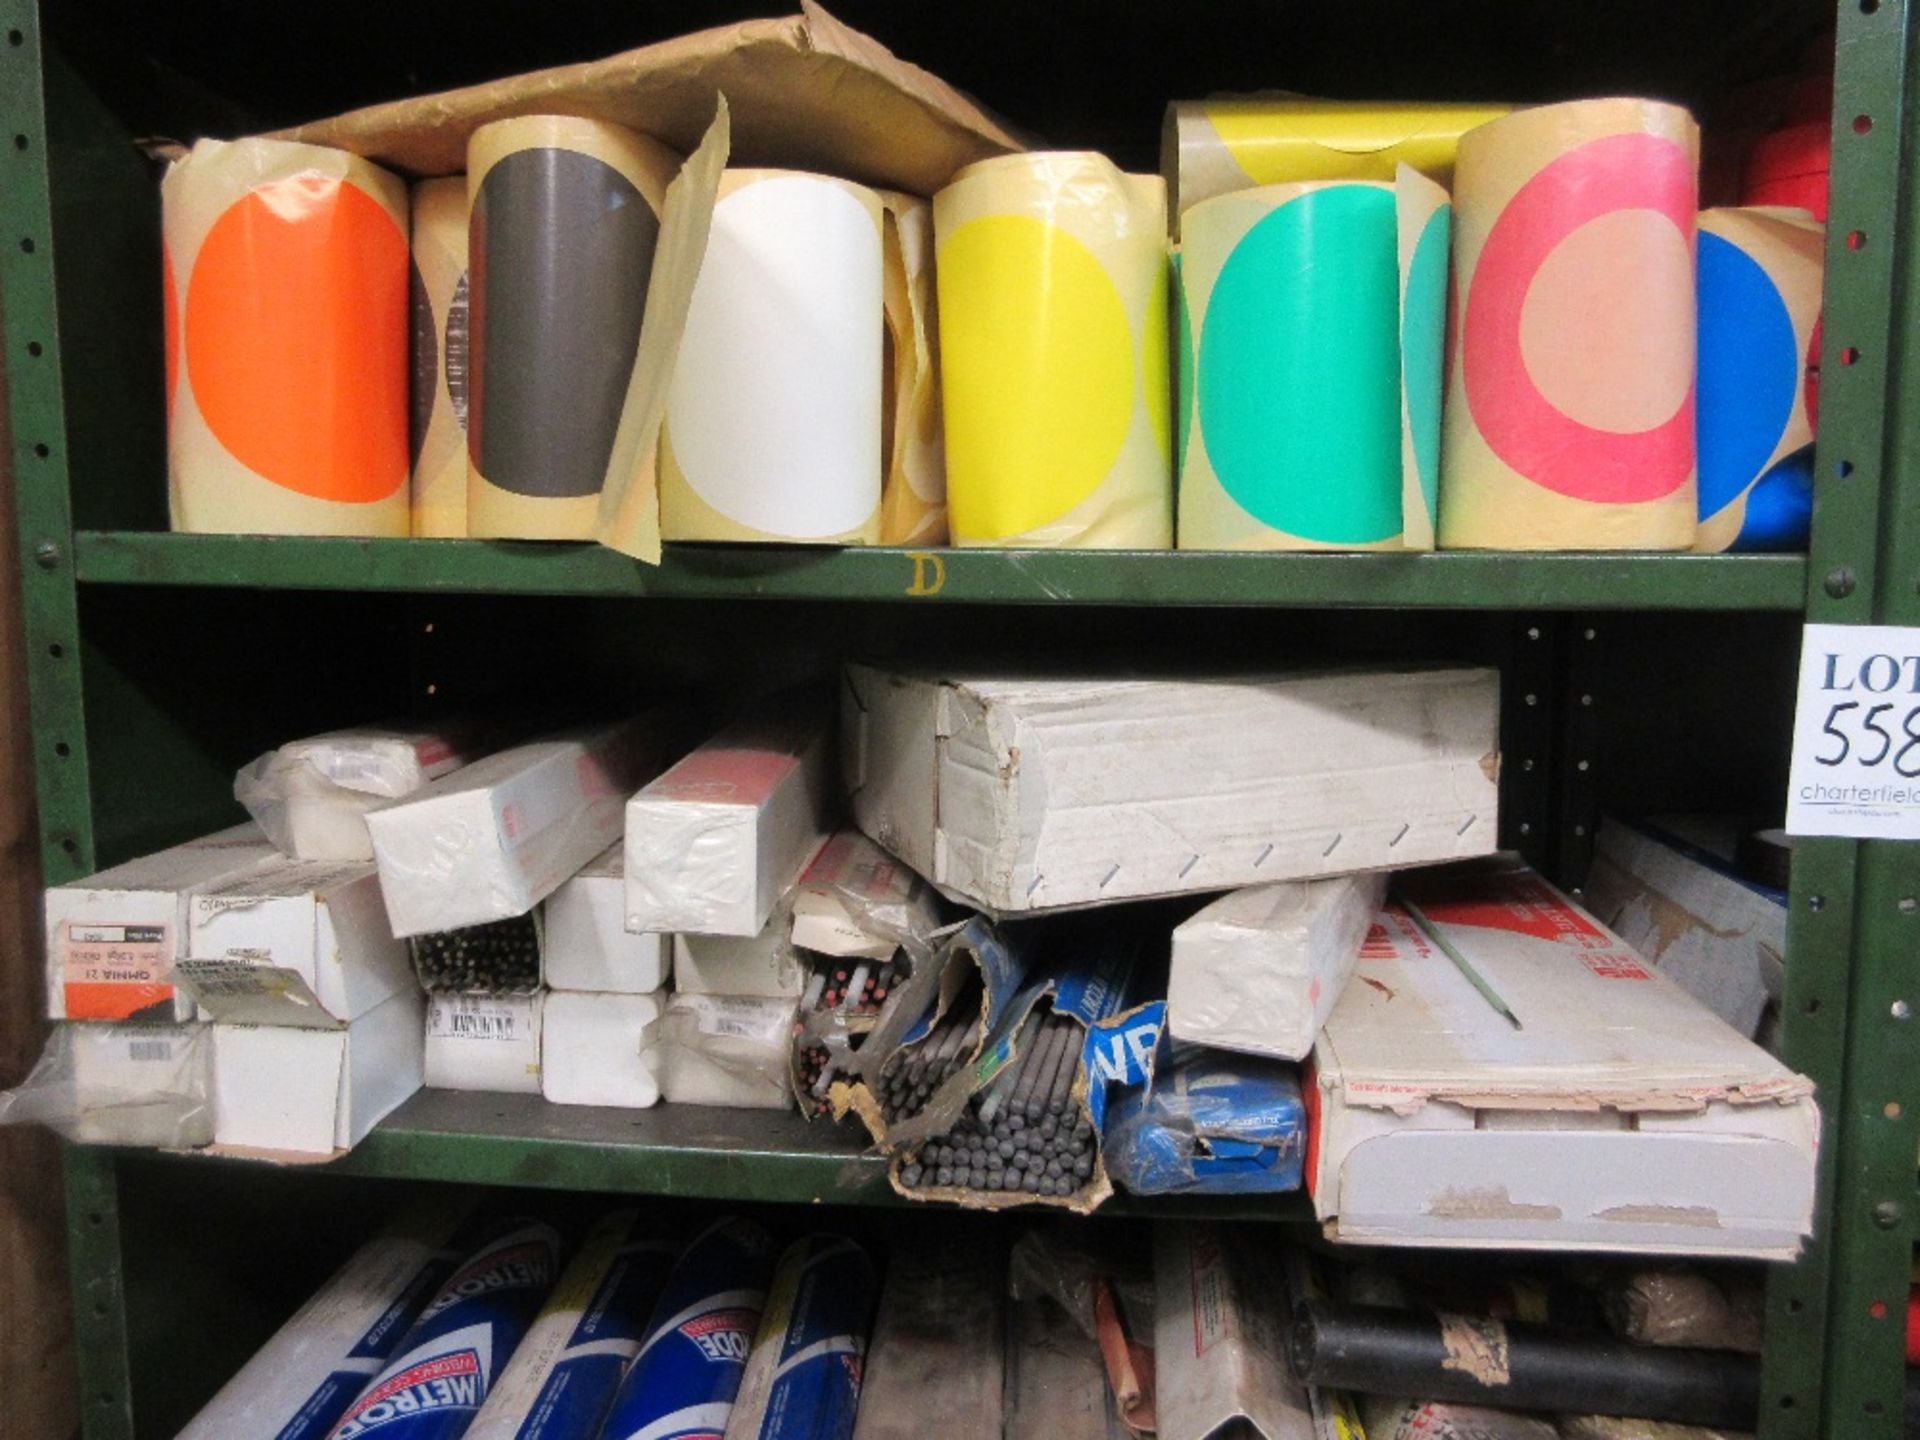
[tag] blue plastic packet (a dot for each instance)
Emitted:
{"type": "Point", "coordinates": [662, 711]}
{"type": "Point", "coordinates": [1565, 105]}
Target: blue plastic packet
{"type": "Point", "coordinates": [1210, 1123]}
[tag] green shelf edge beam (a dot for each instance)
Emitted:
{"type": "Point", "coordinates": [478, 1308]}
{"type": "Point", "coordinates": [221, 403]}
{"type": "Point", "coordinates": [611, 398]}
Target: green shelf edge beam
{"type": "Point", "coordinates": [1874, 1122]}
{"type": "Point", "coordinates": [1459, 580]}
{"type": "Point", "coordinates": [686, 1151]}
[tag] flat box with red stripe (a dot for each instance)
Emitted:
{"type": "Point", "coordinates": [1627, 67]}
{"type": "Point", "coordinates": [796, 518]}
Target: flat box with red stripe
{"type": "Point", "coordinates": [1617, 1114]}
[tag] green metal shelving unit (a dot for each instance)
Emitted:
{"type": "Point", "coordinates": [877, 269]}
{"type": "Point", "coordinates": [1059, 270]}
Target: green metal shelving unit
{"type": "Point", "coordinates": [125, 746]}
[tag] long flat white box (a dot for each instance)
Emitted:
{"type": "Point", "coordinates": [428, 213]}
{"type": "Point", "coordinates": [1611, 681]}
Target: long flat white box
{"type": "Point", "coordinates": [306, 1091]}
{"type": "Point", "coordinates": [486, 1042]}
{"type": "Point", "coordinates": [1259, 970]}
{"type": "Point", "coordinates": [588, 946]}
{"type": "Point", "coordinates": [495, 838]}
{"type": "Point", "coordinates": [276, 943]}
{"type": "Point", "coordinates": [602, 1049]}
{"type": "Point", "coordinates": [1669, 888]}
{"type": "Point", "coordinates": [1220, 1338]}
{"type": "Point", "coordinates": [714, 842]}
{"type": "Point", "coordinates": [312, 796]}
{"type": "Point", "coordinates": [1621, 1114]}
{"type": "Point", "coordinates": [112, 938]}
{"type": "Point", "coordinates": [1017, 795]}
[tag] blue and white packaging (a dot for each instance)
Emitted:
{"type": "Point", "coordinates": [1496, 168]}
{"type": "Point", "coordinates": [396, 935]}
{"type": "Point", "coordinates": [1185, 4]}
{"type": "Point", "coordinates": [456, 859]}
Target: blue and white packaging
{"type": "Point", "coordinates": [803, 1379]}
{"type": "Point", "coordinates": [446, 1366]}
{"type": "Point", "coordinates": [562, 1379]}
{"type": "Point", "coordinates": [1208, 1123]}
{"type": "Point", "coordinates": [682, 1384]}
{"type": "Point", "coordinates": [302, 1380]}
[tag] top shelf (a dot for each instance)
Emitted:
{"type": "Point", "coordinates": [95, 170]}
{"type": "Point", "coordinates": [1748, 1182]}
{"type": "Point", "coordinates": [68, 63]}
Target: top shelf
{"type": "Point", "coordinates": [1452, 581]}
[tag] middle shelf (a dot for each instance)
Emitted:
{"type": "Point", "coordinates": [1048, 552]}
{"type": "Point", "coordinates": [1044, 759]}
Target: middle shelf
{"type": "Point", "coordinates": [1454, 580]}
{"type": "Point", "coordinates": [697, 1151]}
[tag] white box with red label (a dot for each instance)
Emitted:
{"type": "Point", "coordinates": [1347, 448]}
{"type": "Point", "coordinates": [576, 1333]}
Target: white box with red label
{"type": "Point", "coordinates": [715, 842]}
{"type": "Point", "coordinates": [312, 796]}
{"type": "Point", "coordinates": [495, 838]}
{"type": "Point", "coordinates": [112, 938]}
{"type": "Point", "coordinates": [1619, 1114]}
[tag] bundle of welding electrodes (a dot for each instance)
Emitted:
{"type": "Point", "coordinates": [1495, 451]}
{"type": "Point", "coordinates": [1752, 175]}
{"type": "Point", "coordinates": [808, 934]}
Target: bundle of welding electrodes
{"type": "Point", "coordinates": [1020, 1133]}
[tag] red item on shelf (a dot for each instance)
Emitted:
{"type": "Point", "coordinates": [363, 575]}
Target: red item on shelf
{"type": "Point", "coordinates": [1913, 1326]}
{"type": "Point", "coordinates": [1789, 167]}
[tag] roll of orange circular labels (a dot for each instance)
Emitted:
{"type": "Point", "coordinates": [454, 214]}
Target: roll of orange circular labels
{"type": "Point", "coordinates": [287, 325]}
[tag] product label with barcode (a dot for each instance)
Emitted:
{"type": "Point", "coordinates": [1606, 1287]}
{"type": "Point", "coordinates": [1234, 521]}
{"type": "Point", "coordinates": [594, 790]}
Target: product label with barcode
{"type": "Point", "coordinates": [158, 1049]}
{"type": "Point", "coordinates": [112, 972]}
{"type": "Point", "coordinates": [508, 1019]}
{"type": "Point", "coordinates": [749, 1019]}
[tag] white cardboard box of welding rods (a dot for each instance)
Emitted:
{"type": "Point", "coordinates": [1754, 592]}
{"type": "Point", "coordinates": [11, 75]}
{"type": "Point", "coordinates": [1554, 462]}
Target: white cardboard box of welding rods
{"type": "Point", "coordinates": [1621, 1114]}
{"type": "Point", "coordinates": [293, 942]}
{"type": "Point", "coordinates": [1259, 970]}
{"type": "Point", "coordinates": [312, 1092]}
{"type": "Point", "coordinates": [714, 842]}
{"type": "Point", "coordinates": [495, 838]}
{"type": "Point", "coordinates": [1017, 794]}
{"type": "Point", "coordinates": [486, 1042]}
{"type": "Point", "coordinates": [587, 944]}
{"type": "Point", "coordinates": [601, 1049]}
{"type": "Point", "coordinates": [112, 938]}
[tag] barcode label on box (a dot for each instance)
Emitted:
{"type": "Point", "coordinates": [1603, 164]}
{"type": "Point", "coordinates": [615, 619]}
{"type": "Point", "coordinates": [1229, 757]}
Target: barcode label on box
{"type": "Point", "coordinates": [481, 1017]}
{"type": "Point", "coordinates": [747, 1019]}
{"type": "Point", "coordinates": [150, 1050]}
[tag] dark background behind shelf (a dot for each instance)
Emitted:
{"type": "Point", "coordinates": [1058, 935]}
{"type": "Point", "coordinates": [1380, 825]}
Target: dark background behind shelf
{"type": "Point", "coordinates": [1077, 74]}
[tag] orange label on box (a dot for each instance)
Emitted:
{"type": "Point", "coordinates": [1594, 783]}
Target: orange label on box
{"type": "Point", "coordinates": [113, 972]}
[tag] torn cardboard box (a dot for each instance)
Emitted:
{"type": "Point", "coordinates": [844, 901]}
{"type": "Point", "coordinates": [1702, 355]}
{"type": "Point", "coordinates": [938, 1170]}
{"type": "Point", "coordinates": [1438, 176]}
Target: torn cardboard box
{"type": "Point", "coordinates": [1020, 1122]}
{"type": "Point", "coordinates": [870, 931]}
{"type": "Point", "coordinates": [1670, 889]}
{"type": "Point", "coordinates": [808, 93]}
{"type": "Point", "coordinates": [1018, 795]}
{"type": "Point", "coordinates": [1614, 1113]}
{"type": "Point", "coordinates": [1220, 1337]}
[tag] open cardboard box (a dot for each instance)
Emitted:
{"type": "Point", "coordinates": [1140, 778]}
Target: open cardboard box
{"type": "Point", "coordinates": [1620, 1114]}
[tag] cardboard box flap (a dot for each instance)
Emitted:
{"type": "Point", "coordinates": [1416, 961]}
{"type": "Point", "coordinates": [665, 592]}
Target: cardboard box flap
{"type": "Point", "coordinates": [1599, 1027]}
{"type": "Point", "coordinates": [807, 93]}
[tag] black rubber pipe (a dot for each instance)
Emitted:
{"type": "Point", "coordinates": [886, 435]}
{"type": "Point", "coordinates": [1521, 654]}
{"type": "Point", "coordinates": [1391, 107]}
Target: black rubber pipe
{"type": "Point", "coordinates": [1410, 1353]}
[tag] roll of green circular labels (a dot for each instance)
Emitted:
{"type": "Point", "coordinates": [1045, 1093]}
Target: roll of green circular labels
{"type": "Point", "coordinates": [1293, 296]}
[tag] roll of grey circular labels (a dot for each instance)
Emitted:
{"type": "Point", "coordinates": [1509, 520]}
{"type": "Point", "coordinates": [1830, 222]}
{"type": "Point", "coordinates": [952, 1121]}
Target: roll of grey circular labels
{"type": "Point", "coordinates": [561, 246]}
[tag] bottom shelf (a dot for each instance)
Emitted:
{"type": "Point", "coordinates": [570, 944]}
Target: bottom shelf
{"type": "Point", "coordinates": [697, 1151]}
